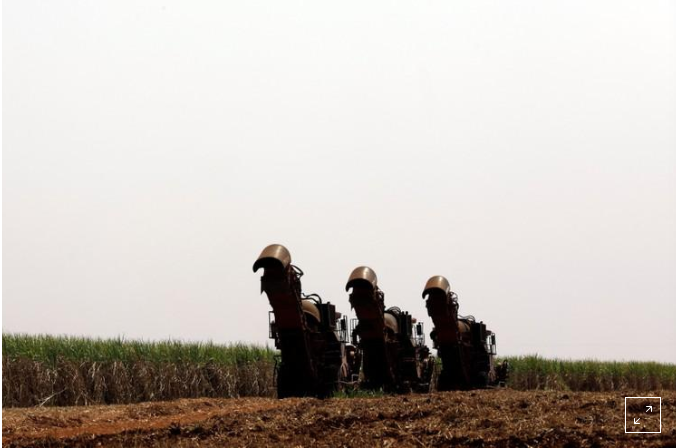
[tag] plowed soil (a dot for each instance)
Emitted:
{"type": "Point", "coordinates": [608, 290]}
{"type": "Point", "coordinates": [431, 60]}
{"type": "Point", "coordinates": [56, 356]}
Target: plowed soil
{"type": "Point", "coordinates": [502, 418]}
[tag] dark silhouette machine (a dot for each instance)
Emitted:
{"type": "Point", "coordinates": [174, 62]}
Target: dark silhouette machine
{"type": "Point", "coordinates": [309, 333]}
{"type": "Point", "coordinates": [387, 349]}
{"type": "Point", "coordinates": [466, 348]}
{"type": "Point", "coordinates": [394, 357]}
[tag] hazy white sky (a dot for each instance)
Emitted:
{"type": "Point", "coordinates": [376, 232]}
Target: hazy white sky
{"type": "Point", "coordinates": [525, 150]}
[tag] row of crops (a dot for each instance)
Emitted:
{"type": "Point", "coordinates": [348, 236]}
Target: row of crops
{"type": "Point", "coordinates": [55, 370]}
{"type": "Point", "coordinates": [534, 372]}
{"type": "Point", "coordinates": [64, 371]}
{"type": "Point", "coordinates": [50, 349]}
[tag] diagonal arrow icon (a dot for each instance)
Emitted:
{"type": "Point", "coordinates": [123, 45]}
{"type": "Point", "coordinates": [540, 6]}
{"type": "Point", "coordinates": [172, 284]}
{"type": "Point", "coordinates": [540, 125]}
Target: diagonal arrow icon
{"type": "Point", "coordinates": [650, 408]}
{"type": "Point", "coordinates": [636, 420]}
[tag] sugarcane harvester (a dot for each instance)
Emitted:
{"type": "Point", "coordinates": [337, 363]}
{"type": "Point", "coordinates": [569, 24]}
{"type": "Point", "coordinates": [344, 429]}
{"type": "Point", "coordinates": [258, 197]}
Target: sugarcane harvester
{"type": "Point", "coordinates": [394, 358]}
{"type": "Point", "coordinates": [310, 334]}
{"type": "Point", "coordinates": [466, 348]}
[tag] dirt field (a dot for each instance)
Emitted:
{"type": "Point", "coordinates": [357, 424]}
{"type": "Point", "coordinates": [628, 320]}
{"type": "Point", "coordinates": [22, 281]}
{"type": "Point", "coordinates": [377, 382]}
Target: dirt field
{"type": "Point", "coordinates": [502, 418]}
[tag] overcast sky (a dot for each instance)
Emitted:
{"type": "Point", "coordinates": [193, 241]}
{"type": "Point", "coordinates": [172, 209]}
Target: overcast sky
{"type": "Point", "coordinates": [524, 150]}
